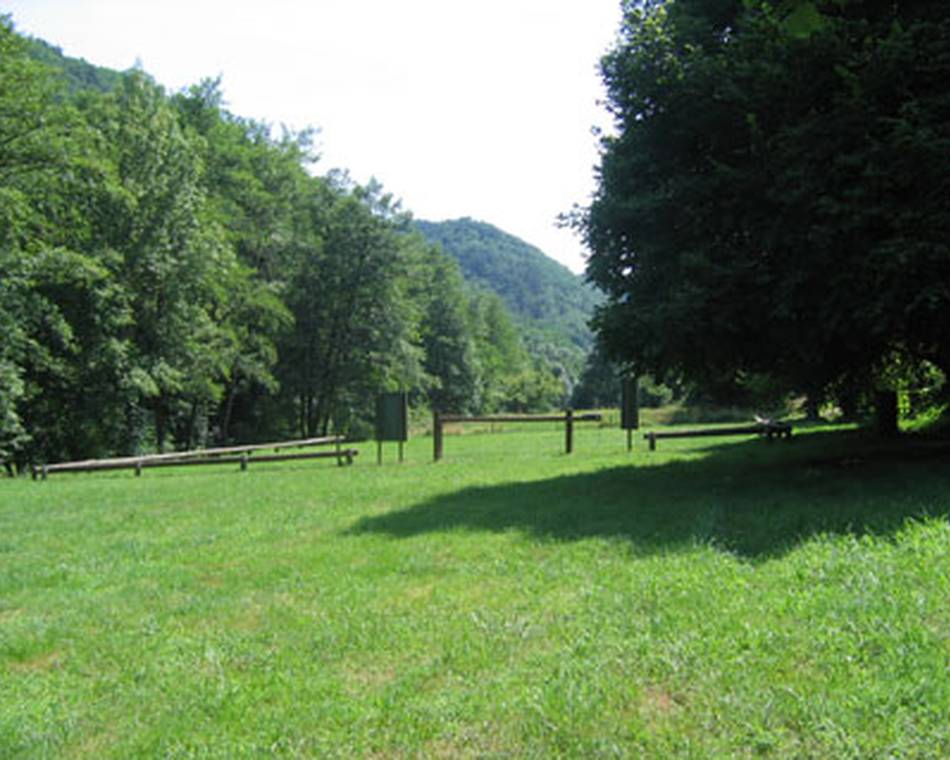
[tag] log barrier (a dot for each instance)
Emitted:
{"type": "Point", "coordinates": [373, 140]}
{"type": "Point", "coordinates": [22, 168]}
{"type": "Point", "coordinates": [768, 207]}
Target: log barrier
{"type": "Point", "coordinates": [242, 455]}
{"type": "Point", "coordinates": [568, 418]}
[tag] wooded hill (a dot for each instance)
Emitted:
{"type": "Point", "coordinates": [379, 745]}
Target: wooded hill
{"type": "Point", "coordinates": [177, 275]}
{"type": "Point", "coordinates": [550, 304]}
{"type": "Point", "coordinates": [77, 73]}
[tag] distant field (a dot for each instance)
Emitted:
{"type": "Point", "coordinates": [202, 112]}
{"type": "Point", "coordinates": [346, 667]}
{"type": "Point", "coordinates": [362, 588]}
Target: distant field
{"type": "Point", "coordinates": [717, 597]}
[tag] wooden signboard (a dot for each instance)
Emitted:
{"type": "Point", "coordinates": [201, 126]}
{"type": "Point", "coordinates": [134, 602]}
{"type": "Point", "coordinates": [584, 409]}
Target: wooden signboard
{"type": "Point", "coordinates": [629, 404]}
{"type": "Point", "coordinates": [392, 420]}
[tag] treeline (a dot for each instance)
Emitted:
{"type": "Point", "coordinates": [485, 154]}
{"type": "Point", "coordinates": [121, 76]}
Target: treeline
{"type": "Point", "coordinates": [173, 275]}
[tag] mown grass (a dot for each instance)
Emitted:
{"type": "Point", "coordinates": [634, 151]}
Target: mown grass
{"type": "Point", "coordinates": [717, 597]}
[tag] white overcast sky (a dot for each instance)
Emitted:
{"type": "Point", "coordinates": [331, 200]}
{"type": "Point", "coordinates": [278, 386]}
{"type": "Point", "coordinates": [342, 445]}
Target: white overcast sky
{"type": "Point", "coordinates": [459, 108]}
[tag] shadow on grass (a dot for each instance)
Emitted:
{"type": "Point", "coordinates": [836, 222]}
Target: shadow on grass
{"type": "Point", "coordinates": [751, 498]}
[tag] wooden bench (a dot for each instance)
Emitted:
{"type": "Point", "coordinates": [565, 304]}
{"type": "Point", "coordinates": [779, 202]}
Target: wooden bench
{"type": "Point", "coordinates": [242, 455]}
{"type": "Point", "coordinates": [768, 429]}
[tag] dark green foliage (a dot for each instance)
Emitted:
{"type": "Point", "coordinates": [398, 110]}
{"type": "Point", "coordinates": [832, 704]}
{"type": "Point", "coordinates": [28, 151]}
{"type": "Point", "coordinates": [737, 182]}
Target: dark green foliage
{"type": "Point", "coordinates": [774, 199]}
{"type": "Point", "coordinates": [599, 384]}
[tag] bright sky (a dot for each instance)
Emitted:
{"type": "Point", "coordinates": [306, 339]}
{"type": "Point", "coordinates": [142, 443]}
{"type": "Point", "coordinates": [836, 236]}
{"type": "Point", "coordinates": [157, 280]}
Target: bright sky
{"type": "Point", "coordinates": [459, 108]}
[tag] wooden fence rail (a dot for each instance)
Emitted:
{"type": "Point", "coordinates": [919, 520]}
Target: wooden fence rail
{"type": "Point", "coordinates": [768, 429]}
{"type": "Point", "coordinates": [568, 418]}
{"type": "Point", "coordinates": [221, 455]}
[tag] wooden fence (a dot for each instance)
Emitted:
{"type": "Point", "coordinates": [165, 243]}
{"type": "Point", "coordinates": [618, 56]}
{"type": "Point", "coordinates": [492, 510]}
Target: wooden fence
{"type": "Point", "coordinates": [568, 418]}
{"type": "Point", "coordinates": [242, 455]}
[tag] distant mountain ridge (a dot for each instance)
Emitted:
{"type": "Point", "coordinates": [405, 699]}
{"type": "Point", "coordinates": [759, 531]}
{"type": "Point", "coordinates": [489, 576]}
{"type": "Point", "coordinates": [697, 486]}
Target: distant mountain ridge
{"type": "Point", "coordinates": [77, 73]}
{"type": "Point", "coordinates": [545, 297]}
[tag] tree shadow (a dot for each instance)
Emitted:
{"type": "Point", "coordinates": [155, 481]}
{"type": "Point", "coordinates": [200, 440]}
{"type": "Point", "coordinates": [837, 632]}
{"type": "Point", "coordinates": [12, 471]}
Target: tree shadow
{"type": "Point", "coordinates": [753, 499]}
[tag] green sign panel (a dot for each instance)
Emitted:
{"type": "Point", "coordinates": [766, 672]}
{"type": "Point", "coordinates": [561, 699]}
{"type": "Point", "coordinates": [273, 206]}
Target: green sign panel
{"type": "Point", "coordinates": [629, 404]}
{"type": "Point", "coordinates": [392, 416]}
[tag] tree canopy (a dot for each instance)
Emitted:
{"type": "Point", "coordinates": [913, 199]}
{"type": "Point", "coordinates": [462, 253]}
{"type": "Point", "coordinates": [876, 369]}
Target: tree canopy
{"type": "Point", "coordinates": [175, 275]}
{"type": "Point", "coordinates": [773, 199]}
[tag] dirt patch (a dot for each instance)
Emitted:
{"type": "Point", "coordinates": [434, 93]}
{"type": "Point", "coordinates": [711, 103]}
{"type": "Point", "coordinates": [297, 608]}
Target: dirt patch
{"type": "Point", "coordinates": [11, 614]}
{"type": "Point", "coordinates": [483, 740]}
{"type": "Point", "coordinates": [359, 680]}
{"type": "Point", "coordinates": [211, 580]}
{"type": "Point", "coordinates": [92, 745]}
{"type": "Point", "coordinates": [41, 663]}
{"type": "Point", "coordinates": [420, 593]}
{"type": "Point", "coordinates": [658, 703]}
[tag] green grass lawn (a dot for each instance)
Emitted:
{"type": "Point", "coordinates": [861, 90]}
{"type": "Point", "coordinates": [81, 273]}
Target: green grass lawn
{"type": "Point", "coordinates": [715, 598]}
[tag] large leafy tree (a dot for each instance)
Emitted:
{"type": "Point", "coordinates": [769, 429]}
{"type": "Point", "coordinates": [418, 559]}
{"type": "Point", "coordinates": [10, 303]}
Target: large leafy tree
{"type": "Point", "coordinates": [24, 95]}
{"type": "Point", "coordinates": [59, 307]}
{"type": "Point", "coordinates": [257, 193]}
{"type": "Point", "coordinates": [445, 335]}
{"type": "Point", "coordinates": [169, 255]}
{"type": "Point", "coordinates": [352, 329]}
{"type": "Point", "coordinates": [774, 197]}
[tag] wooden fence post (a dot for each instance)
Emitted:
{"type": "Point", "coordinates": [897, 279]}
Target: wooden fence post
{"type": "Point", "coordinates": [436, 436]}
{"type": "Point", "coordinates": [569, 431]}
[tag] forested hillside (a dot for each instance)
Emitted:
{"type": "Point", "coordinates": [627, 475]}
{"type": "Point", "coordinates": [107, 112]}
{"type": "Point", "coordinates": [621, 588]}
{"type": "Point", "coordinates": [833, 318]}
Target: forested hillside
{"type": "Point", "coordinates": [551, 305]}
{"type": "Point", "coordinates": [176, 275]}
{"type": "Point", "coordinates": [77, 73]}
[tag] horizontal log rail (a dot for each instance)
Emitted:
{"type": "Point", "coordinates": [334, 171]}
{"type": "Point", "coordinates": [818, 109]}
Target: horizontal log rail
{"type": "Point", "coordinates": [585, 417]}
{"type": "Point", "coordinates": [568, 418]}
{"type": "Point", "coordinates": [220, 455]}
{"type": "Point", "coordinates": [770, 430]}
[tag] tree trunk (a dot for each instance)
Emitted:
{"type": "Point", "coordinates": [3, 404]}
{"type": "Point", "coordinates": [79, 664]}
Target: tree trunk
{"type": "Point", "coordinates": [228, 409]}
{"type": "Point", "coordinates": [132, 432]}
{"type": "Point", "coordinates": [160, 420]}
{"type": "Point", "coordinates": [848, 401]}
{"type": "Point", "coordinates": [308, 416]}
{"type": "Point", "coordinates": [190, 430]}
{"type": "Point", "coordinates": [885, 413]}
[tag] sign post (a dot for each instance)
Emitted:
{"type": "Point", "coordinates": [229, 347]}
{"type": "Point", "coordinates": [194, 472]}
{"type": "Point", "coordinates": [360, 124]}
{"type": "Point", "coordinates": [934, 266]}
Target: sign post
{"type": "Point", "coordinates": [392, 421]}
{"type": "Point", "coordinates": [629, 408]}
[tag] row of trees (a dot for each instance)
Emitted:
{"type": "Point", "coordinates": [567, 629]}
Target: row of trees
{"type": "Point", "coordinates": [772, 207]}
{"type": "Point", "coordinates": [171, 274]}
